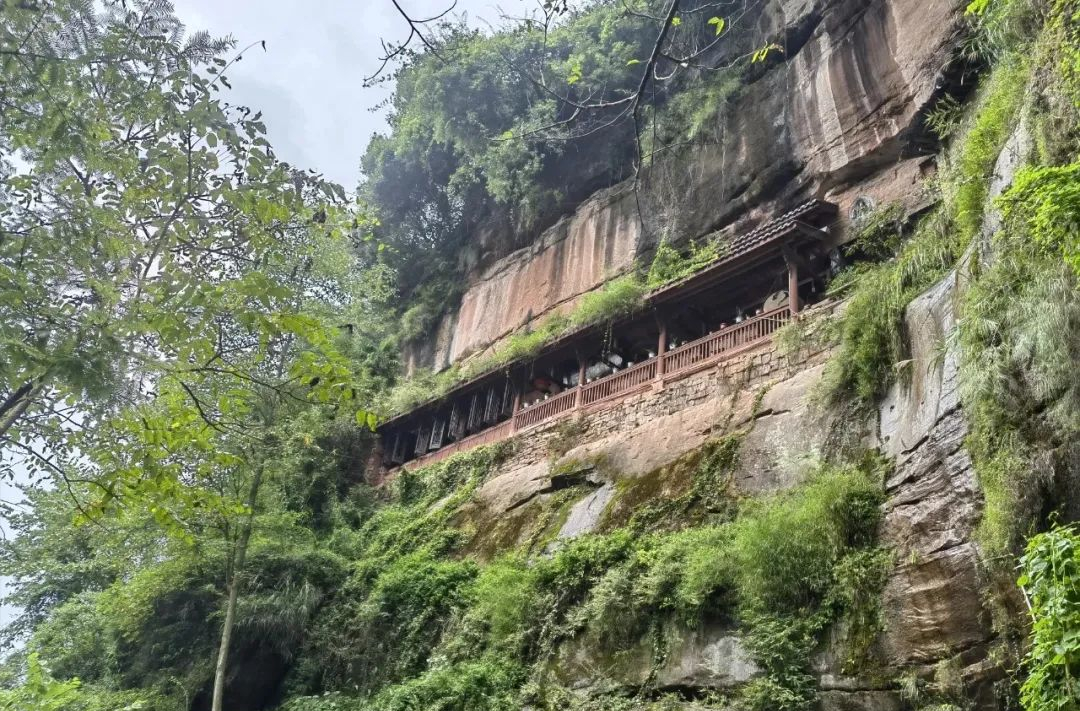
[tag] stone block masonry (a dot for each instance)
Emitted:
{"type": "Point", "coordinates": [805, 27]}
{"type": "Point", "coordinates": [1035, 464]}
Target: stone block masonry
{"type": "Point", "coordinates": [724, 391]}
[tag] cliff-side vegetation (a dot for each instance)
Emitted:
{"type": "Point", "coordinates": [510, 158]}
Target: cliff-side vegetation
{"type": "Point", "coordinates": [351, 597]}
{"type": "Point", "coordinates": [1017, 302]}
{"type": "Point", "coordinates": [373, 606]}
{"type": "Point", "coordinates": [784, 567]}
{"type": "Point", "coordinates": [1050, 579]}
{"type": "Point", "coordinates": [1018, 324]}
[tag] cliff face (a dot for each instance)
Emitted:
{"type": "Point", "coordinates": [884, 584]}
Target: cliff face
{"type": "Point", "coordinates": [838, 117]}
{"type": "Point", "coordinates": [936, 623]}
{"type": "Point", "coordinates": [622, 459]}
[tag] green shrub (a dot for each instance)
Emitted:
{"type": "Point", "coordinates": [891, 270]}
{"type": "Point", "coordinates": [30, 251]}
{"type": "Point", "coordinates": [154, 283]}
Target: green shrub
{"type": "Point", "coordinates": [1050, 579]}
{"type": "Point", "coordinates": [617, 298]}
{"type": "Point", "coordinates": [944, 119]}
{"type": "Point", "coordinates": [1019, 335]}
{"type": "Point", "coordinates": [879, 234]}
{"type": "Point", "coordinates": [781, 645]}
{"type": "Point", "coordinates": [871, 329]}
{"type": "Point", "coordinates": [1044, 203]}
{"type": "Point", "coordinates": [401, 620]}
{"type": "Point", "coordinates": [860, 578]}
{"type": "Point", "coordinates": [784, 548]}
{"type": "Point", "coordinates": [39, 690]}
{"type": "Point", "coordinates": [486, 684]}
{"type": "Point", "coordinates": [991, 125]}
{"type": "Point", "coordinates": [696, 108]}
{"type": "Point", "coordinates": [504, 598]}
{"type": "Point", "coordinates": [669, 265]}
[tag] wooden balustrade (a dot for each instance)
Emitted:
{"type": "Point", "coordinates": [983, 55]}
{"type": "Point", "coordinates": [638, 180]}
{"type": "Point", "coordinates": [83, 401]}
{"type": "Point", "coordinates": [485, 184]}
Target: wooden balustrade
{"type": "Point", "coordinates": [546, 409]}
{"type": "Point", "coordinates": [679, 361]}
{"type": "Point", "coordinates": [497, 433]}
{"type": "Point", "coordinates": [619, 383]}
{"type": "Point", "coordinates": [709, 348]}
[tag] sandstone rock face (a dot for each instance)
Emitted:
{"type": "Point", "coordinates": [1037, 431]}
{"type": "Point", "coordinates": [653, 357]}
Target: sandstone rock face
{"type": "Point", "coordinates": [838, 118]}
{"type": "Point", "coordinates": [933, 599]}
{"type": "Point", "coordinates": [585, 514]}
{"type": "Point", "coordinates": [785, 436]}
{"type": "Point", "coordinates": [580, 252]}
{"type": "Point", "coordinates": [712, 657]}
{"type": "Point", "coordinates": [708, 658]}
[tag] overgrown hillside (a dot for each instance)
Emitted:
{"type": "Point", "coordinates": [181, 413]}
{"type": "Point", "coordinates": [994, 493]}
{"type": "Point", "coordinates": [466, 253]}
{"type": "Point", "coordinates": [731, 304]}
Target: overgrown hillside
{"type": "Point", "coordinates": [251, 485]}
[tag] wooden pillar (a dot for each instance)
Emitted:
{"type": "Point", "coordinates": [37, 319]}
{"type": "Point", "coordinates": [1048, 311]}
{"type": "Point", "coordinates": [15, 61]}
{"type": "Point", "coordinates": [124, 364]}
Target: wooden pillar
{"type": "Point", "coordinates": [515, 408]}
{"type": "Point", "coordinates": [793, 283]}
{"type": "Point", "coordinates": [661, 348]}
{"type": "Point", "coordinates": [580, 397]}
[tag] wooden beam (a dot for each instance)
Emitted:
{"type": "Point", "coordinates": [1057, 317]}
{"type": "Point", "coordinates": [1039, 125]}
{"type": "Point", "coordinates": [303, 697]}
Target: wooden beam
{"type": "Point", "coordinates": [579, 397]}
{"type": "Point", "coordinates": [811, 231]}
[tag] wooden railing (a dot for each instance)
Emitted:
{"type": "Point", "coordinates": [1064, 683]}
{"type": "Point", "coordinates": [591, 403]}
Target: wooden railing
{"type": "Point", "coordinates": [546, 409]}
{"type": "Point", "coordinates": [493, 434]}
{"type": "Point", "coordinates": [706, 349]}
{"type": "Point", "coordinates": [679, 361]}
{"type": "Point", "coordinates": [618, 383]}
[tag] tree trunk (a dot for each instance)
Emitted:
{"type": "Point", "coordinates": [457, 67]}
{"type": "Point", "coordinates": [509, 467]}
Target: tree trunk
{"type": "Point", "coordinates": [233, 589]}
{"type": "Point", "coordinates": [15, 405]}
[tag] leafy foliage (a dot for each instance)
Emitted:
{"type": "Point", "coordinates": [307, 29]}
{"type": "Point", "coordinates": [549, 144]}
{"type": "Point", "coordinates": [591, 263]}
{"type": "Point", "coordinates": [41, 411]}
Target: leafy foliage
{"type": "Point", "coordinates": [669, 265]}
{"type": "Point", "coordinates": [1018, 334]}
{"type": "Point", "coordinates": [1050, 579]}
{"type": "Point", "coordinates": [871, 329]}
{"type": "Point", "coordinates": [39, 691]}
{"type": "Point", "coordinates": [1046, 203]}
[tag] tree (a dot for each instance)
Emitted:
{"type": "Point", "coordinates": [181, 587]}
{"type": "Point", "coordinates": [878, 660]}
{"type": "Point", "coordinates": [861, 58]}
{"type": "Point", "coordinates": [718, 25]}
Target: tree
{"type": "Point", "coordinates": [167, 286]}
{"type": "Point", "coordinates": [148, 230]}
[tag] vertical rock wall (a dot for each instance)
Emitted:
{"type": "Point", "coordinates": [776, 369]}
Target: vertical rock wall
{"type": "Point", "coordinates": [838, 118]}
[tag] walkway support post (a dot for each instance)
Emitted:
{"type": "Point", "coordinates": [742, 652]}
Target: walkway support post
{"type": "Point", "coordinates": [792, 281]}
{"type": "Point", "coordinates": [579, 398]}
{"type": "Point", "coordinates": [661, 349]}
{"type": "Point", "coordinates": [514, 410]}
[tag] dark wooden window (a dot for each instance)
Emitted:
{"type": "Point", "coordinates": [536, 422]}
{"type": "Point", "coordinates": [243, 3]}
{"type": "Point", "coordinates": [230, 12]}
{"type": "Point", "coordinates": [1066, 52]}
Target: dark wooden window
{"type": "Point", "coordinates": [507, 407]}
{"type": "Point", "coordinates": [491, 406]}
{"type": "Point", "coordinates": [438, 433]}
{"type": "Point", "coordinates": [398, 455]}
{"type": "Point", "coordinates": [422, 436]}
{"type": "Point", "coordinates": [475, 413]}
{"type": "Point", "coordinates": [457, 423]}
{"type": "Point", "coordinates": [388, 448]}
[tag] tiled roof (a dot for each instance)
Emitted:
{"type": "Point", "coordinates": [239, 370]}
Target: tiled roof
{"type": "Point", "coordinates": [742, 244]}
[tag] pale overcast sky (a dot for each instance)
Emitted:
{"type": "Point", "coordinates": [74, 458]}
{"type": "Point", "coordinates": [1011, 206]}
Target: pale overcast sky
{"type": "Point", "coordinates": [309, 82]}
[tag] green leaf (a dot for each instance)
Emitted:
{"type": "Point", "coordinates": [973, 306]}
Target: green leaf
{"type": "Point", "coordinates": [719, 22]}
{"type": "Point", "coordinates": [676, 21]}
{"type": "Point", "coordinates": [575, 73]}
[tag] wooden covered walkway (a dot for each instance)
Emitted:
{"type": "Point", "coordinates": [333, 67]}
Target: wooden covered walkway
{"type": "Point", "coordinates": [495, 406]}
